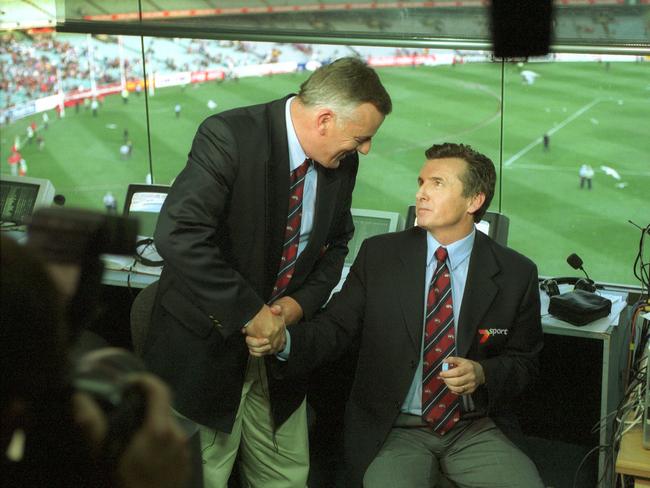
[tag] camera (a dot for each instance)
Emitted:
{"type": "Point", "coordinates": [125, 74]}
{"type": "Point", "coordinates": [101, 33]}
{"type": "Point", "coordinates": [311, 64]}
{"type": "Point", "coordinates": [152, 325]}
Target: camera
{"type": "Point", "coordinates": [71, 242]}
{"type": "Point", "coordinates": [72, 235]}
{"type": "Point", "coordinates": [104, 375]}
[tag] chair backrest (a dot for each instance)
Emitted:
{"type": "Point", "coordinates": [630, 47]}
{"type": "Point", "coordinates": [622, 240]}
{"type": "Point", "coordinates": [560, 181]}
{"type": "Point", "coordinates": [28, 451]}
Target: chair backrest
{"type": "Point", "coordinates": [141, 316]}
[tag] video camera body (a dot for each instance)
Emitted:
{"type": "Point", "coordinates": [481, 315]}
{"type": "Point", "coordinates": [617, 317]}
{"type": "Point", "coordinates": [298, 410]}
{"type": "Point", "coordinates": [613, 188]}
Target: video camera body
{"type": "Point", "coordinates": [71, 241]}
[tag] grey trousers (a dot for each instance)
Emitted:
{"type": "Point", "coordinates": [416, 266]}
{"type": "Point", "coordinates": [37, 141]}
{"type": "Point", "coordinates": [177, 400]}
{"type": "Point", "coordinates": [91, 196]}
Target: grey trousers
{"type": "Point", "coordinates": [474, 454]}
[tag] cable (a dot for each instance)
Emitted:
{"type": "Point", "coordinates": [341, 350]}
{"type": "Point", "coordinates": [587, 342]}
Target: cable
{"type": "Point", "coordinates": [584, 459]}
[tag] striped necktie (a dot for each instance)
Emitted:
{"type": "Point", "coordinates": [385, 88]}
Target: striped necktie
{"type": "Point", "coordinates": [292, 231]}
{"type": "Point", "coordinates": [440, 407]}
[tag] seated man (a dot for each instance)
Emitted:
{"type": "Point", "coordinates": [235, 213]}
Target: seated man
{"type": "Point", "coordinates": [450, 332]}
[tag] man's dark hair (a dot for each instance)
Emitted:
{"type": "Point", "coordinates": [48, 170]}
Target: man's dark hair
{"type": "Point", "coordinates": [480, 176]}
{"type": "Point", "coordinates": [344, 85]}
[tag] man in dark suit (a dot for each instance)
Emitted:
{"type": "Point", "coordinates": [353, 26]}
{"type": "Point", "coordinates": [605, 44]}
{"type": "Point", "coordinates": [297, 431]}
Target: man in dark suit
{"type": "Point", "coordinates": [449, 329]}
{"type": "Point", "coordinates": [237, 263]}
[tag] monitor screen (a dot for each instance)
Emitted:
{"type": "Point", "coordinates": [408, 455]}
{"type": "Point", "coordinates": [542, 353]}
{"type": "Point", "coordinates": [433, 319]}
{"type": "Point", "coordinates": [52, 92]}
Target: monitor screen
{"type": "Point", "coordinates": [368, 223]}
{"type": "Point", "coordinates": [144, 202]}
{"type": "Point", "coordinates": [21, 195]}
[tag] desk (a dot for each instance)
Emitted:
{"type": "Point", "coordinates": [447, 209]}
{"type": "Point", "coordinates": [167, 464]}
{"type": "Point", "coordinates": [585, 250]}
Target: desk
{"type": "Point", "coordinates": [632, 459]}
{"type": "Point", "coordinates": [580, 383]}
{"type": "Point", "coordinates": [114, 277]}
{"type": "Point", "coordinates": [126, 271]}
{"type": "Point", "coordinates": [602, 367]}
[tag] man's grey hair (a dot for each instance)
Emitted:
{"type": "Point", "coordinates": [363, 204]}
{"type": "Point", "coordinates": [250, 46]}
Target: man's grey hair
{"type": "Point", "coordinates": [344, 85]}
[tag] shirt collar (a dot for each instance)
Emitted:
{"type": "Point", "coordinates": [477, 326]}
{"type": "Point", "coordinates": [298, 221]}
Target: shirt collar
{"type": "Point", "coordinates": [457, 252]}
{"type": "Point", "coordinates": [296, 155]}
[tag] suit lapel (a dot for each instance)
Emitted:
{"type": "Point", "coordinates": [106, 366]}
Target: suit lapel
{"type": "Point", "coordinates": [480, 291]}
{"type": "Point", "coordinates": [326, 191]}
{"type": "Point", "coordinates": [410, 283]}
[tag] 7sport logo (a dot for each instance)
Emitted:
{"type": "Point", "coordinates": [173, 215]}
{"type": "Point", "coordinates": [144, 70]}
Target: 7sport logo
{"type": "Point", "coordinates": [486, 333]}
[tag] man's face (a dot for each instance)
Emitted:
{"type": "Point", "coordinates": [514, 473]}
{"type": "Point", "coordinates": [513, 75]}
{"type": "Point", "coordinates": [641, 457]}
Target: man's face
{"type": "Point", "coordinates": [340, 138]}
{"type": "Point", "coordinates": [439, 201]}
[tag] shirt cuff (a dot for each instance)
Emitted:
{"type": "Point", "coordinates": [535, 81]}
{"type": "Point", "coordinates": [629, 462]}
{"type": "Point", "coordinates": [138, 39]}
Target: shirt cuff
{"type": "Point", "coordinates": [284, 354]}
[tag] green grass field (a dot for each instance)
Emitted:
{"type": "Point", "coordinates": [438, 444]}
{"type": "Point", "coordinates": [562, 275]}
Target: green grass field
{"type": "Point", "coordinates": [595, 115]}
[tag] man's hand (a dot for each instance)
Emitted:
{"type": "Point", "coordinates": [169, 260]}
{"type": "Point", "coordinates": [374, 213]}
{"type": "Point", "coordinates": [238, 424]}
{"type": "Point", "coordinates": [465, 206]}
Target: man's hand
{"type": "Point", "coordinates": [289, 309]}
{"type": "Point", "coordinates": [157, 456]}
{"type": "Point", "coordinates": [90, 418]}
{"type": "Point", "coordinates": [265, 333]}
{"type": "Point", "coordinates": [464, 376]}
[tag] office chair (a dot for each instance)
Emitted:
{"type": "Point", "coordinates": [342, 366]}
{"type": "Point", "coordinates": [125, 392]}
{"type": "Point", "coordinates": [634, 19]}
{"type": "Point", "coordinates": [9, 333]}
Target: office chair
{"type": "Point", "coordinates": [141, 316]}
{"type": "Point", "coordinates": [140, 322]}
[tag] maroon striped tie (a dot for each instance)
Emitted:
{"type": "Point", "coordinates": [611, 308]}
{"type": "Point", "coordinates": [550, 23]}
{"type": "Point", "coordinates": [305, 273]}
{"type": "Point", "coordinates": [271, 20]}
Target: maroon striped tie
{"type": "Point", "coordinates": [292, 232]}
{"type": "Point", "coordinates": [440, 407]}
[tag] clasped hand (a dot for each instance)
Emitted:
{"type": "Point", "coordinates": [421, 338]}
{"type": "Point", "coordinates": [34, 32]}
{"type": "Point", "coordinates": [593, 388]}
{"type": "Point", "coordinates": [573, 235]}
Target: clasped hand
{"type": "Point", "coordinates": [265, 333]}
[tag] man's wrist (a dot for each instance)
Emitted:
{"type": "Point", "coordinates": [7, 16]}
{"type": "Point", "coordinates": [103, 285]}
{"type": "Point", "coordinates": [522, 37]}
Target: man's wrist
{"type": "Point", "coordinates": [283, 355]}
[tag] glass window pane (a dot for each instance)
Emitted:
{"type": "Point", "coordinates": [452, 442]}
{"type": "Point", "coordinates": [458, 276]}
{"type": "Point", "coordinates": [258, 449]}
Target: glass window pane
{"type": "Point", "coordinates": [439, 96]}
{"type": "Point", "coordinates": [594, 111]}
{"type": "Point", "coordinates": [67, 116]}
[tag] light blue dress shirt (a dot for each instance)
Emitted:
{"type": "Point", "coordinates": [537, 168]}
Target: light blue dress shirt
{"type": "Point", "coordinates": [458, 254]}
{"type": "Point", "coordinates": [296, 157]}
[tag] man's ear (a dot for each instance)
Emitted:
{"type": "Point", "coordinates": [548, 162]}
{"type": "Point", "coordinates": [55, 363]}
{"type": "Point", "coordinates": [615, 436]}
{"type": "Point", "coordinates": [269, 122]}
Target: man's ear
{"type": "Point", "coordinates": [324, 119]}
{"type": "Point", "coordinates": [476, 202]}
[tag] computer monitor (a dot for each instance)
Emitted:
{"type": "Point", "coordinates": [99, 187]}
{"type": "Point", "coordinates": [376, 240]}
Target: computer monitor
{"type": "Point", "coordinates": [368, 223]}
{"type": "Point", "coordinates": [21, 195]}
{"type": "Point", "coordinates": [493, 224]}
{"type": "Point", "coordinates": [144, 203]}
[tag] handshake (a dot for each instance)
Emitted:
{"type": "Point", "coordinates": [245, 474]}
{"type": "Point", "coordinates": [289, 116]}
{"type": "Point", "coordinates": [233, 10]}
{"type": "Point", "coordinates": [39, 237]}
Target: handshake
{"type": "Point", "coordinates": [266, 332]}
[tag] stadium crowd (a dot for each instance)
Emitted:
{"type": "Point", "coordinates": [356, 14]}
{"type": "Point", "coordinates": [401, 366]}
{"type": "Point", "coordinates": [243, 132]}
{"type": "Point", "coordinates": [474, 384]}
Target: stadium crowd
{"type": "Point", "coordinates": [33, 65]}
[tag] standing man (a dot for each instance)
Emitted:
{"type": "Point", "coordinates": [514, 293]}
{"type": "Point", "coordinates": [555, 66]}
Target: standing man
{"type": "Point", "coordinates": [449, 329]}
{"type": "Point", "coordinates": [30, 132]}
{"type": "Point", "coordinates": [254, 233]}
{"type": "Point", "coordinates": [110, 203]}
{"type": "Point", "coordinates": [586, 175]}
{"type": "Point", "coordinates": [546, 140]}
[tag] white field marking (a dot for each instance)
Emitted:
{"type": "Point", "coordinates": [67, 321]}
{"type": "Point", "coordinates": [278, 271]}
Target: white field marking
{"type": "Point", "coordinates": [552, 131]}
{"type": "Point", "coordinates": [565, 169]}
{"type": "Point", "coordinates": [482, 123]}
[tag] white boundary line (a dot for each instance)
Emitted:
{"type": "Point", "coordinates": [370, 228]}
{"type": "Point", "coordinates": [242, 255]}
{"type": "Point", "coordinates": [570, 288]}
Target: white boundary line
{"type": "Point", "coordinates": [557, 169]}
{"type": "Point", "coordinates": [552, 131]}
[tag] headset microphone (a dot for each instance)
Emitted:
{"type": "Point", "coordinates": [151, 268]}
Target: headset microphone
{"type": "Point", "coordinates": [551, 287]}
{"type": "Point", "coordinates": [576, 263]}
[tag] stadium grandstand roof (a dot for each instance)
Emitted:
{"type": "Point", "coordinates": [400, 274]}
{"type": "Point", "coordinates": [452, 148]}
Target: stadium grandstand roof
{"type": "Point", "coordinates": [26, 14]}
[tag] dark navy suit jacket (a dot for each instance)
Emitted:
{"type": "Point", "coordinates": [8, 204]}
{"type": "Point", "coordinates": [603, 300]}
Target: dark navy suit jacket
{"type": "Point", "coordinates": [381, 305]}
{"type": "Point", "coordinates": [221, 232]}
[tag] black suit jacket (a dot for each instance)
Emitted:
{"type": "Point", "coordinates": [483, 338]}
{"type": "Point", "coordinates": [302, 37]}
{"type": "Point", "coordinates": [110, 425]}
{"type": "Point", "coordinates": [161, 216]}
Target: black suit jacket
{"type": "Point", "coordinates": [221, 232]}
{"type": "Point", "coordinates": [382, 303]}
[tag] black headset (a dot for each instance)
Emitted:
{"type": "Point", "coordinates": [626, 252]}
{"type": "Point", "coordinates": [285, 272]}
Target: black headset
{"type": "Point", "coordinates": [552, 288]}
{"type": "Point", "coordinates": [141, 246]}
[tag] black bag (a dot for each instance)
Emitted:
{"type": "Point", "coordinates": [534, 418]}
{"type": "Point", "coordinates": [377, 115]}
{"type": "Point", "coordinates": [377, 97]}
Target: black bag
{"type": "Point", "coordinates": [579, 307]}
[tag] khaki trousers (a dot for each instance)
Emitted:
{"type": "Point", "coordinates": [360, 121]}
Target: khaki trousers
{"type": "Point", "coordinates": [266, 460]}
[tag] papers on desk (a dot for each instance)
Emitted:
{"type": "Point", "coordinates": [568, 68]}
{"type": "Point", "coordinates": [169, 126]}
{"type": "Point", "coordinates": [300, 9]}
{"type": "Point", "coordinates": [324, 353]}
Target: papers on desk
{"type": "Point", "coordinates": [600, 325]}
{"type": "Point", "coordinates": [128, 263]}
